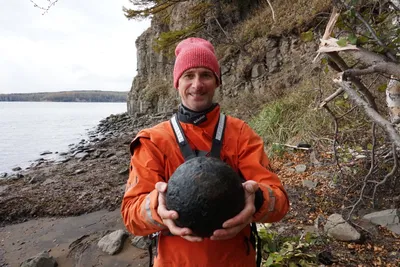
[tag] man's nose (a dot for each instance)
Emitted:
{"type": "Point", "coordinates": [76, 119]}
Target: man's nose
{"type": "Point", "coordinates": [197, 82]}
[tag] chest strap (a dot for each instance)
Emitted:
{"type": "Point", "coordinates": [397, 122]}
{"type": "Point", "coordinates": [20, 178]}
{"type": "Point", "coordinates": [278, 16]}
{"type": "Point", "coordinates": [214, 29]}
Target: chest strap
{"type": "Point", "coordinates": [184, 145]}
{"type": "Point", "coordinates": [215, 152]}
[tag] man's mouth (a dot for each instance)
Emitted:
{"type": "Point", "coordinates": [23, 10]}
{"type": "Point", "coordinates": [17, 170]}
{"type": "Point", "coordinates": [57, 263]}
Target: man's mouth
{"type": "Point", "coordinates": [197, 95]}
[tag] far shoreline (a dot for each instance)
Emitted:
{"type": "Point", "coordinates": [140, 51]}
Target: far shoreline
{"type": "Point", "coordinates": [51, 154]}
{"type": "Point", "coordinates": [85, 102]}
{"type": "Point", "coordinates": [68, 96]}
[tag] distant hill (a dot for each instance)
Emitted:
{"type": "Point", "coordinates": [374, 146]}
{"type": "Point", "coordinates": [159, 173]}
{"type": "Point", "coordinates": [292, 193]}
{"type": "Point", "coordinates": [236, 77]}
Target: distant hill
{"type": "Point", "coordinates": [68, 96]}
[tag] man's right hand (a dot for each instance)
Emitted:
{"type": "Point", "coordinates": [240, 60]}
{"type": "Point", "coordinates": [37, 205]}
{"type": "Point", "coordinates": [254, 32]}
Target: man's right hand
{"type": "Point", "coordinates": [168, 216]}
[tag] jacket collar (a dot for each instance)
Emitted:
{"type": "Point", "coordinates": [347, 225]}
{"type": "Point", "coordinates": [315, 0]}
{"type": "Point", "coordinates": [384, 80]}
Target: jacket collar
{"type": "Point", "coordinates": [186, 115]}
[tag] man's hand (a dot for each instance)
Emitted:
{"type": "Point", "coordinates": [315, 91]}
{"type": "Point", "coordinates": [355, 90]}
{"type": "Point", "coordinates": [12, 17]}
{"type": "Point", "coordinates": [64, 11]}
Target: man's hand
{"type": "Point", "coordinates": [168, 216]}
{"type": "Point", "coordinates": [234, 225]}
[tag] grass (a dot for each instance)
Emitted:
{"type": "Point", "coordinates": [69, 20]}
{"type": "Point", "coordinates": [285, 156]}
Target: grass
{"type": "Point", "coordinates": [291, 118]}
{"type": "Point", "coordinates": [288, 16]}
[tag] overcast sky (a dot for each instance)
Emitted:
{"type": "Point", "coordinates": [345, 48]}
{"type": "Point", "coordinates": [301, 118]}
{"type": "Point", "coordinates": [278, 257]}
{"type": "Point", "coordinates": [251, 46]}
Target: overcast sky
{"type": "Point", "coordinates": [77, 45]}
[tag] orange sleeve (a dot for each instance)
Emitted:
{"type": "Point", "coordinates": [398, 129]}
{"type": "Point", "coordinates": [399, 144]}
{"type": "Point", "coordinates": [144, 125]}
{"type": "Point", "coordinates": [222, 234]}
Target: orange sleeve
{"type": "Point", "coordinates": [140, 201]}
{"type": "Point", "coordinates": [254, 165]}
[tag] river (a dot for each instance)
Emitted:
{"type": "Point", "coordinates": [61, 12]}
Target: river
{"type": "Point", "coordinates": [29, 128]}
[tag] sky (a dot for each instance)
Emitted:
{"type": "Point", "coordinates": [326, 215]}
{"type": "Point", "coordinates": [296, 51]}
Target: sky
{"type": "Point", "coordinates": [76, 45]}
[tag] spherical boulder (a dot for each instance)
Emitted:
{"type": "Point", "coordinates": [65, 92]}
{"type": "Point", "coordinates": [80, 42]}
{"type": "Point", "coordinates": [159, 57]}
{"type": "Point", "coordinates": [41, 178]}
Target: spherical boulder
{"type": "Point", "coordinates": [205, 192]}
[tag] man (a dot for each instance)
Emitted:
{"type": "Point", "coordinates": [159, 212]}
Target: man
{"type": "Point", "coordinates": [156, 155]}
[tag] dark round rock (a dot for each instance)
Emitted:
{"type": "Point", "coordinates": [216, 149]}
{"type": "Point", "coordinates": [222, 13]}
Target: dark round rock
{"type": "Point", "coordinates": [205, 192]}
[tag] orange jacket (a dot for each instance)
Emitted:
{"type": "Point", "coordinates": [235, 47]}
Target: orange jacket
{"type": "Point", "coordinates": [157, 155]}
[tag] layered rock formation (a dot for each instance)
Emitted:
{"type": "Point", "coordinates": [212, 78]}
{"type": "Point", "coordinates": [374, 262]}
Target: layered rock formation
{"type": "Point", "coordinates": [266, 66]}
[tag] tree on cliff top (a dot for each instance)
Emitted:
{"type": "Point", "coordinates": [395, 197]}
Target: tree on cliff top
{"type": "Point", "coordinates": [199, 15]}
{"type": "Point", "coordinates": [146, 8]}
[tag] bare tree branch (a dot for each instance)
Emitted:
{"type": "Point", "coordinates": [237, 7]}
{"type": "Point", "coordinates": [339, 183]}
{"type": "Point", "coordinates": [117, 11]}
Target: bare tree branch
{"type": "Point", "coordinates": [372, 167]}
{"type": "Point", "coordinates": [334, 56]}
{"type": "Point", "coordinates": [393, 100]}
{"type": "Point", "coordinates": [335, 141]}
{"type": "Point", "coordinates": [272, 9]}
{"type": "Point", "coordinates": [331, 97]}
{"type": "Point", "coordinates": [331, 23]}
{"type": "Point", "coordinates": [371, 63]}
{"type": "Point", "coordinates": [370, 58]}
{"type": "Point", "coordinates": [394, 169]}
{"type": "Point", "coordinates": [347, 112]}
{"type": "Point", "coordinates": [389, 53]}
{"type": "Point", "coordinates": [372, 114]}
{"type": "Point", "coordinates": [394, 6]}
{"type": "Point", "coordinates": [383, 68]}
{"type": "Point", "coordinates": [46, 9]}
{"type": "Point", "coordinates": [222, 29]}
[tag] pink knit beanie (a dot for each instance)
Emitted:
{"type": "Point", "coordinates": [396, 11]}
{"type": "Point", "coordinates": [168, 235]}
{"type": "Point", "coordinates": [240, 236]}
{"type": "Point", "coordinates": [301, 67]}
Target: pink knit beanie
{"type": "Point", "coordinates": [194, 53]}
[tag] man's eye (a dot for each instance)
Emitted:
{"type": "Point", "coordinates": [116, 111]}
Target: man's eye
{"type": "Point", "coordinates": [188, 76]}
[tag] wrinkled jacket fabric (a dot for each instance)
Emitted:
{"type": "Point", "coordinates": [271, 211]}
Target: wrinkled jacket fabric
{"type": "Point", "coordinates": [156, 155]}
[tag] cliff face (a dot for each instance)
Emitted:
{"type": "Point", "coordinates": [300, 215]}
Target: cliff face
{"type": "Point", "coordinates": [267, 66]}
{"type": "Point", "coordinates": [150, 67]}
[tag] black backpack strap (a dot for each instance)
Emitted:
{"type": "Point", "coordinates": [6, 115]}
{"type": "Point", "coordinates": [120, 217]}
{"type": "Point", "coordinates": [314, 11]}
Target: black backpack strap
{"type": "Point", "coordinates": [152, 241]}
{"type": "Point", "coordinates": [184, 146]}
{"type": "Point", "coordinates": [256, 241]}
{"type": "Point", "coordinates": [150, 251]}
{"type": "Point", "coordinates": [218, 137]}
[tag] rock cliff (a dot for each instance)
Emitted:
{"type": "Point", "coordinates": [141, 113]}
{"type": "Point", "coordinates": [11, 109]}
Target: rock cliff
{"type": "Point", "coordinates": [265, 66]}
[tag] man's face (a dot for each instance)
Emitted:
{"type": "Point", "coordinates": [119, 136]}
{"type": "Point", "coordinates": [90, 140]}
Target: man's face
{"type": "Point", "coordinates": [196, 88]}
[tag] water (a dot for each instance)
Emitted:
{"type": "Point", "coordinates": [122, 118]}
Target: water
{"type": "Point", "coordinates": [29, 128]}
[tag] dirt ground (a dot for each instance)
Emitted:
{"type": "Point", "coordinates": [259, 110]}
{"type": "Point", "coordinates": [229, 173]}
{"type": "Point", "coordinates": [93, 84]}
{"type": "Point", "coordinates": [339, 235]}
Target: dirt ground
{"type": "Point", "coordinates": [55, 204]}
{"type": "Point", "coordinates": [22, 241]}
{"type": "Point", "coordinates": [377, 246]}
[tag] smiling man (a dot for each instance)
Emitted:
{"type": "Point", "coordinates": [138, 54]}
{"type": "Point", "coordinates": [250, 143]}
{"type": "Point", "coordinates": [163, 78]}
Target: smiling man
{"type": "Point", "coordinates": [196, 88]}
{"type": "Point", "coordinates": [194, 131]}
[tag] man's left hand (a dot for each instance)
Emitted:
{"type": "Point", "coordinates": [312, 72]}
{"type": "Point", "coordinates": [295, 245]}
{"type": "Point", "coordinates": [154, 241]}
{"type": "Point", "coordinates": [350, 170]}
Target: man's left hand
{"type": "Point", "coordinates": [234, 225]}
